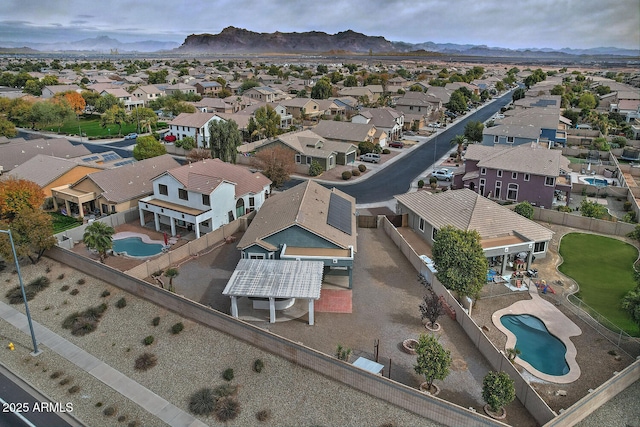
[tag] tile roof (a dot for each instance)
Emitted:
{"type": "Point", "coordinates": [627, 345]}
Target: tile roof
{"type": "Point", "coordinates": [18, 151]}
{"type": "Point", "coordinates": [527, 158]}
{"type": "Point", "coordinates": [43, 169]}
{"type": "Point", "coordinates": [204, 176]}
{"type": "Point", "coordinates": [192, 120]}
{"type": "Point", "coordinates": [305, 205]}
{"type": "Point", "coordinates": [131, 181]}
{"type": "Point", "coordinates": [343, 131]}
{"type": "Point", "coordinates": [467, 210]}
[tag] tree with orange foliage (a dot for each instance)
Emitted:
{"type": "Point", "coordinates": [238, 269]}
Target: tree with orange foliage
{"type": "Point", "coordinates": [76, 101]}
{"type": "Point", "coordinates": [18, 194]}
{"type": "Point", "coordinates": [276, 164]}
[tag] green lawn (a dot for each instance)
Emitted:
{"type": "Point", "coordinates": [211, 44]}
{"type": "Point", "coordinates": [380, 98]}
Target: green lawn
{"type": "Point", "coordinates": [90, 126]}
{"type": "Point", "coordinates": [603, 267]}
{"type": "Point", "coordinates": [62, 222]}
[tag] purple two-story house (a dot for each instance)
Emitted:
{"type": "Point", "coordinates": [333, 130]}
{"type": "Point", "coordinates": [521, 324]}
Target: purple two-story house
{"type": "Point", "coordinates": [532, 173]}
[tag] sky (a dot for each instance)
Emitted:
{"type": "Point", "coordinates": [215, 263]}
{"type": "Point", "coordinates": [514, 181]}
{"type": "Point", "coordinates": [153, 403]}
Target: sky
{"type": "Point", "coordinates": [497, 23]}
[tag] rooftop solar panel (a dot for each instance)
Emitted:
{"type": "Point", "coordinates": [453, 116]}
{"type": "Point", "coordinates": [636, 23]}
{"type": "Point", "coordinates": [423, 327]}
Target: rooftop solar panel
{"type": "Point", "coordinates": [339, 215]}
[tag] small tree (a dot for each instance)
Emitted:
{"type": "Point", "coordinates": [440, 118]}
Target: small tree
{"type": "Point", "coordinates": [276, 164]}
{"type": "Point", "coordinates": [32, 233]}
{"type": "Point", "coordinates": [433, 360]}
{"type": "Point", "coordinates": [198, 154]}
{"type": "Point", "coordinates": [631, 303]}
{"type": "Point", "coordinates": [473, 131]}
{"type": "Point", "coordinates": [99, 236]}
{"type": "Point", "coordinates": [512, 353]}
{"type": "Point", "coordinates": [431, 308]}
{"type": "Point", "coordinates": [459, 140]}
{"type": "Point", "coordinates": [498, 390]}
{"type": "Point", "coordinates": [147, 147]}
{"type": "Point", "coordinates": [525, 209]}
{"type": "Point", "coordinates": [17, 194]}
{"type": "Point", "coordinates": [592, 209]}
{"type": "Point", "coordinates": [315, 168]}
{"type": "Point", "coordinates": [171, 273]}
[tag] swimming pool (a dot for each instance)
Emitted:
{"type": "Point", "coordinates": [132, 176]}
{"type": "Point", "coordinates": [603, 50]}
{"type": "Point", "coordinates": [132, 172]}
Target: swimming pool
{"type": "Point", "coordinates": [135, 247]}
{"type": "Point", "coordinates": [538, 347]}
{"type": "Point", "coordinates": [596, 181]}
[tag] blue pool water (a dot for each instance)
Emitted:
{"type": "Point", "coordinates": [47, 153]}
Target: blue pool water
{"type": "Point", "coordinates": [597, 182]}
{"type": "Point", "coordinates": [542, 350]}
{"type": "Point", "coordinates": [134, 246]}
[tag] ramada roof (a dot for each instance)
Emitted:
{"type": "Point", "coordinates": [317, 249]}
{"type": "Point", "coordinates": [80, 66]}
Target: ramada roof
{"type": "Point", "coordinates": [467, 210]}
{"type": "Point", "coordinates": [305, 205]}
{"type": "Point", "coordinates": [204, 176]}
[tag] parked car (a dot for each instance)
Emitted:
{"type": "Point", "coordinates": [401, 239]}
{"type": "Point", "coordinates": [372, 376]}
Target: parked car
{"type": "Point", "coordinates": [131, 136]}
{"type": "Point", "coordinates": [396, 144]}
{"type": "Point", "coordinates": [434, 125]}
{"type": "Point", "coordinates": [170, 138]}
{"type": "Point", "coordinates": [370, 157]}
{"type": "Point", "coordinates": [442, 174]}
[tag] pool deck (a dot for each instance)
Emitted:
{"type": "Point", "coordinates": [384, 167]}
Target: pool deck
{"type": "Point", "coordinates": [556, 322]}
{"type": "Point", "coordinates": [143, 237]}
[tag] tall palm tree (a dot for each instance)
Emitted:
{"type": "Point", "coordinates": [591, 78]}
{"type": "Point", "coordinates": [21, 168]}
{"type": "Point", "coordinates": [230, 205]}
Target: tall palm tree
{"type": "Point", "coordinates": [99, 236]}
{"type": "Point", "coordinates": [459, 140]}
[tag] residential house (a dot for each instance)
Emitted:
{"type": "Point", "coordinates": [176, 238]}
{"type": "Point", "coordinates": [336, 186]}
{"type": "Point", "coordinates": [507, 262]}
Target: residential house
{"type": "Point", "coordinates": [112, 190]}
{"type": "Point", "coordinates": [51, 90]}
{"type": "Point", "coordinates": [286, 118]}
{"type": "Point", "coordinates": [147, 93]}
{"type": "Point", "coordinates": [195, 125]}
{"type": "Point", "coordinates": [358, 92]}
{"type": "Point", "coordinates": [353, 133]}
{"type": "Point", "coordinates": [527, 126]}
{"type": "Point", "coordinates": [452, 87]}
{"type": "Point", "coordinates": [442, 93]}
{"type": "Point", "coordinates": [212, 105]}
{"type": "Point", "coordinates": [418, 103]}
{"type": "Point", "coordinates": [17, 151]}
{"type": "Point", "coordinates": [264, 94]}
{"type": "Point", "coordinates": [384, 118]}
{"type": "Point", "coordinates": [302, 107]}
{"type": "Point", "coordinates": [179, 87]}
{"type": "Point", "coordinates": [211, 88]}
{"type": "Point", "coordinates": [532, 173]}
{"type": "Point", "coordinates": [505, 236]}
{"type": "Point", "coordinates": [304, 223]}
{"type": "Point", "coordinates": [204, 196]}
{"type": "Point", "coordinates": [130, 102]}
{"type": "Point", "coordinates": [331, 108]}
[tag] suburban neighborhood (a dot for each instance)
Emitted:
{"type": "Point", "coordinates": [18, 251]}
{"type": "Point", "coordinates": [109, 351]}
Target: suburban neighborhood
{"type": "Point", "coordinates": [320, 240]}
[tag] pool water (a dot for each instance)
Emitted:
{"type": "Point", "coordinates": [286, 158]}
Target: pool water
{"type": "Point", "coordinates": [543, 351]}
{"type": "Point", "coordinates": [134, 246]}
{"type": "Point", "coordinates": [596, 181]}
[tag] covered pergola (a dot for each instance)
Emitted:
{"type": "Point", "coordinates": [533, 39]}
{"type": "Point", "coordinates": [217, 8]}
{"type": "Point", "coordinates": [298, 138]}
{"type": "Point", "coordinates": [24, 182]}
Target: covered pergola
{"type": "Point", "coordinates": [275, 279]}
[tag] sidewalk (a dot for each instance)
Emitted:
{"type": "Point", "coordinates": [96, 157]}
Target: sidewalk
{"type": "Point", "coordinates": [130, 389]}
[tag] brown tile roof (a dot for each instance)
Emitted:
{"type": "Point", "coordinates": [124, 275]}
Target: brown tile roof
{"type": "Point", "coordinates": [467, 210]}
{"type": "Point", "coordinates": [343, 131]}
{"type": "Point", "coordinates": [204, 176]}
{"type": "Point", "coordinates": [305, 205]}
{"type": "Point", "coordinates": [192, 120]}
{"type": "Point", "coordinates": [43, 169]}
{"type": "Point", "coordinates": [133, 180]}
{"type": "Point", "coordinates": [525, 158]}
{"type": "Point", "coordinates": [19, 151]}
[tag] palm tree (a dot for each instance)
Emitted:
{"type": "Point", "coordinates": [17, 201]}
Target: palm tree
{"type": "Point", "coordinates": [98, 236]}
{"type": "Point", "coordinates": [459, 140]}
{"type": "Point", "coordinates": [171, 273]}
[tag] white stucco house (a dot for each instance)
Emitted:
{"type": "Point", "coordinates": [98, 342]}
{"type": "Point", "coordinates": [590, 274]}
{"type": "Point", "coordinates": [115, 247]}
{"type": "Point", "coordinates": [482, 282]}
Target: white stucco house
{"type": "Point", "coordinates": [195, 125]}
{"type": "Point", "coordinates": [203, 196]}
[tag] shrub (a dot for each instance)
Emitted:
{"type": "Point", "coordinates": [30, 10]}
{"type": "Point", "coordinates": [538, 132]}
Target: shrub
{"type": "Point", "coordinates": [626, 206]}
{"type": "Point", "coordinates": [99, 404]}
{"type": "Point", "coordinates": [525, 209]}
{"type": "Point", "coordinates": [362, 167]}
{"type": "Point", "coordinates": [74, 292]}
{"type": "Point", "coordinates": [65, 381]}
{"type": "Point", "coordinates": [84, 327]}
{"type": "Point", "coordinates": [177, 328]}
{"type": "Point", "coordinates": [227, 409]}
{"type": "Point", "coordinates": [39, 284]}
{"type": "Point", "coordinates": [386, 151]}
{"type": "Point", "coordinates": [61, 276]}
{"type": "Point", "coordinates": [433, 180]}
{"type": "Point", "coordinates": [263, 415]}
{"type": "Point", "coordinates": [148, 340]}
{"type": "Point", "coordinates": [15, 295]}
{"type": "Point", "coordinates": [81, 281]}
{"type": "Point", "coordinates": [122, 418]}
{"type": "Point", "coordinates": [421, 183]}
{"type": "Point", "coordinates": [355, 172]}
{"type": "Point", "coordinates": [564, 209]}
{"type": "Point", "coordinates": [56, 374]}
{"type": "Point", "coordinates": [122, 303]}
{"type": "Point", "coordinates": [74, 389]}
{"type": "Point", "coordinates": [258, 365]}
{"type": "Point", "coordinates": [155, 321]}
{"type": "Point", "coordinates": [133, 424]}
{"type": "Point", "coordinates": [105, 294]}
{"type": "Point", "coordinates": [109, 411]}
{"type": "Point", "coordinates": [228, 374]}
{"type": "Point", "coordinates": [64, 288]}
{"type": "Point", "coordinates": [346, 175]}
{"type": "Point", "coordinates": [225, 390]}
{"type": "Point", "coordinates": [497, 390]}
{"type": "Point", "coordinates": [315, 168]}
{"type": "Point", "coordinates": [145, 362]}
{"type": "Point", "coordinates": [202, 402]}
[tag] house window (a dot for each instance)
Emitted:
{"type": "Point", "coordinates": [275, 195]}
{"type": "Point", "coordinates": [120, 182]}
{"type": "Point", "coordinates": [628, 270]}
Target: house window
{"type": "Point", "coordinates": [252, 202]}
{"type": "Point", "coordinates": [206, 200]}
{"type": "Point", "coordinates": [481, 186]}
{"type": "Point", "coordinates": [514, 175]}
{"type": "Point", "coordinates": [298, 159]}
{"type": "Point", "coordinates": [496, 139]}
{"type": "Point", "coordinates": [540, 247]}
{"type": "Point", "coordinates": [512, 192]}
{"type": "Point", "coordinates": [549, 181]}
{"type": "Point", "coordinates": [527, 177]}
{"type": "Point", "coordinates": [499, 174]}
{"type": "Point", "coordinates": [113, 208]}
{"type": "Point", "coordinates": [509, 140]}
{"type": "Point", "coordinates": [105, 209]}
{"type": "Point", "coordinates": [308, 160]}
{"type": "Point", "coordinates": [483, 171]}
{"type": "Point", "coordinates": [434, 233]}
{"type": "Point", "coordinates": [256, 256]}
{"type": "Point", "coordinates": [331, 161]}
{"type": "Point", "coordinates": [421, 224]}
{"type": "Point", "coordinates": [498, 189]}
{"type": "Point", "coordinates": [183, 194]}
{"type": "Point", "coordinates": [162, 189]}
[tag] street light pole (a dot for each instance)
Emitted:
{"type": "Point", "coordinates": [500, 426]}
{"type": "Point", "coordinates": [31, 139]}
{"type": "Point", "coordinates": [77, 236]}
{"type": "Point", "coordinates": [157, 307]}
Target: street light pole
{"type": "Point", "coordinates": [24, 295]}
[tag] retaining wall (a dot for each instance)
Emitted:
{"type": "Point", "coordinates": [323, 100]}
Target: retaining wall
{"type": "Point", "coordinates": [383, 388]}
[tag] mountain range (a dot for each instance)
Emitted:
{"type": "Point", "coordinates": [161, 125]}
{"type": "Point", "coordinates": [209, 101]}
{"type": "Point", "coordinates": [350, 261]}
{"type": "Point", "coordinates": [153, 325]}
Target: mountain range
{"type": "Point", "coordinates": [237, 40]}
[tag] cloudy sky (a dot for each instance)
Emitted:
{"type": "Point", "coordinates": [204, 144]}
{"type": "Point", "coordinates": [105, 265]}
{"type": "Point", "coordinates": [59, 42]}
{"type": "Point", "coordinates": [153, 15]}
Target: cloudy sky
{"type": "Point", "coordinates": [502, 23]}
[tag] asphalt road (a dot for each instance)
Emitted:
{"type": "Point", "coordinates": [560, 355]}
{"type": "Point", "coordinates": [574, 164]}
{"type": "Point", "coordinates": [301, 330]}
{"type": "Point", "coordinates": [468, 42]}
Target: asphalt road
{"type": "Point", "coordinates": [16, 395]}
{"type": "Point", "coordinates": [396, 178]}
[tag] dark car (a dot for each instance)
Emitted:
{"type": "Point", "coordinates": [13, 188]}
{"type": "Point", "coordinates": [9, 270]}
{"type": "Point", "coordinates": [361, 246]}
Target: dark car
{"type": "Point", "coordinates": [170, 138]}
{"type": "Point", "coordinates": [396, 144]}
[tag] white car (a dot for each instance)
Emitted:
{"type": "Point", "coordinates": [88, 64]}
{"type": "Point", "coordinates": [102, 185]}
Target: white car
{"type": "Point", "coordinates": [442, 174]}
